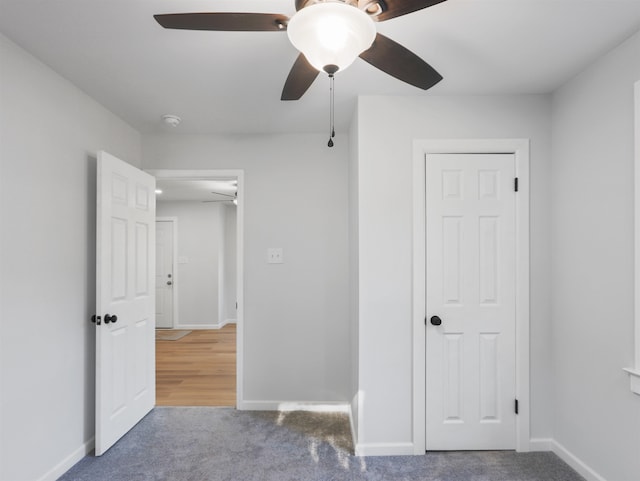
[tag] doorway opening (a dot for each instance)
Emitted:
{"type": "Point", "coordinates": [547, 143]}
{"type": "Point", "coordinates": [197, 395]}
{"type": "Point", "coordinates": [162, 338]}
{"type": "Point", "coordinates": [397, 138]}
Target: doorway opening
{"type": "Point", "coordinates": [199, 287]}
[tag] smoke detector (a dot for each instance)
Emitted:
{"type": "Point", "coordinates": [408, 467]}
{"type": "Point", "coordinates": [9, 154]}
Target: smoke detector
{"type": "Point", "coordinates": [171, 120]}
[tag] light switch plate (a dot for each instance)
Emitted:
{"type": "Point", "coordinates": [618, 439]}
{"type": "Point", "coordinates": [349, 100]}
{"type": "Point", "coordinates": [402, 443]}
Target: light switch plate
{"type": "Point", "coordinates": [275, 255]}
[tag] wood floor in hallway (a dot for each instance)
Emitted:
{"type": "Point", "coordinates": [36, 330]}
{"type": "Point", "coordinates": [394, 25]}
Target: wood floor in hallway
{"type": "Point", "coordinates": [197, 370]}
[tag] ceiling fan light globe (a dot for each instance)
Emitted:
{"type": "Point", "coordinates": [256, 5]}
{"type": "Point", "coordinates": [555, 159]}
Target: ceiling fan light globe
{"type": "Point", "coordinates": [331, 33]}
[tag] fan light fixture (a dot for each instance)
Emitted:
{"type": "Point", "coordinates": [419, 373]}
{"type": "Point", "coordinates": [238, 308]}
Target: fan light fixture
{"type": "Point", "coordinates": [331, 34]}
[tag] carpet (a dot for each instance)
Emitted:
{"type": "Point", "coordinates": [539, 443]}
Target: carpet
{"type": "Point", "coordinates": [222, 444]}
{"type": "Point", "coordinates": [170, 334]}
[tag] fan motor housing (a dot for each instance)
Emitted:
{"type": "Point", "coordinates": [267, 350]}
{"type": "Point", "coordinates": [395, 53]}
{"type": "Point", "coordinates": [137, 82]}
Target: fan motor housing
{"type": "Point", "coordinates": [370, 7]}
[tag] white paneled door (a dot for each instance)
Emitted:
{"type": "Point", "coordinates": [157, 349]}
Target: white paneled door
{"type": "Point", "coordinates": [165, 279]}
{"type": "Point", "coordinates": [470, 302]}
{"type": "Point", "coordinates": [125, 326]}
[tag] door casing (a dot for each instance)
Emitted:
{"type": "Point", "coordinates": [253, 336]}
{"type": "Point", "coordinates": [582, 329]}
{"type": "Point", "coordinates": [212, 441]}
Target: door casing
{"type": "Point", "coordinates": [520, 148]}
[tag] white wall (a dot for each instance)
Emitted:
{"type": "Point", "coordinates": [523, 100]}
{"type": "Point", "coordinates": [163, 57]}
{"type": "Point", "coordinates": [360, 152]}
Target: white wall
{"type": "Point", "coordinates": [296, 314]}
{"type": "Point", "coordinates": [597, 418]}
{"type": "Point", "coordinates": [385, 243]}
{"type": "Point", "coordinates": [50, 134]}
{"type": "Point", "coordinates": [201, 242]}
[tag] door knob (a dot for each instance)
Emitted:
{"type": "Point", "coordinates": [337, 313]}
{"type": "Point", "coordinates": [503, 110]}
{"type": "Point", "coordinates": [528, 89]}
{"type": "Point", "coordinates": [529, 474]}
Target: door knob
{"type": "Point", "coordinates": [169, 283]}
{"type": "Point", "coordinates": [108, 318]}
{"type": "Point", "coordinates": [435, 320]}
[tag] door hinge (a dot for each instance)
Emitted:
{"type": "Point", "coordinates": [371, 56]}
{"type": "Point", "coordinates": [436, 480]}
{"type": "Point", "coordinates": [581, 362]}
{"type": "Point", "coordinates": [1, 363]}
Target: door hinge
{"type": "Point", "coordinates": [516, 406]}
{"type": "Point", "coordinates": [515, 184]}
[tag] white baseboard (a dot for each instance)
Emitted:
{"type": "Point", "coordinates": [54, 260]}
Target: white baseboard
{"type": "Point", "coordinates": [576, 463]}
{"type": "Point", "coordinates": [385, 449]}
{"type": "Point", "coordinates": [329, 406]}
{"type": "Point", "coordinates": [195, 327]}
{"type": "Point", "coordinates": [541, 444]}
{"type": "Point", "coordinates": [67, 463]}
{"type": "Point", "coordinates": [550, 444]}
{"type": "Point", "coordinates": [352, 425]}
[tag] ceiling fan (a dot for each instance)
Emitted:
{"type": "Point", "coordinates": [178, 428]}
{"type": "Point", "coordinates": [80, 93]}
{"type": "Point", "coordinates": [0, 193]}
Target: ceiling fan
{"type": "Point", "coordinates": [330, 34]}
{"type": "Point", "coordinates": [233, 198]}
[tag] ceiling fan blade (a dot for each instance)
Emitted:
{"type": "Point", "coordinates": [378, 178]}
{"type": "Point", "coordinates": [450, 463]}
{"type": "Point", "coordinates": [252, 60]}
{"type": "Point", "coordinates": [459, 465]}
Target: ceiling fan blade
{"type": "Point", "coordinates": [233, 196]}
{"type": "Point", "coordinates": [395, 8]}
{"type": "Point", "coordinates": [300, 4]}
{"type": "Point", "coordinates": [300, 78]}
{"type": "Point", "coordinates": [224, 21]}
{"type": "Point", "coordinates": [401, 63]}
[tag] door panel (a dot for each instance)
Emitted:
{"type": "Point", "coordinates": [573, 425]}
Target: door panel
{"type": "Point", "coordinates": [125, 343]}
{"type": "Point", "coordinates": [470, 265]}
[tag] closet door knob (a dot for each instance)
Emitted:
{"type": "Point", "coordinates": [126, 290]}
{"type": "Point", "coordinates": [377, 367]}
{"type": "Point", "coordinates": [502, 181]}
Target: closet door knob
{"type": "Point", "coordinates": [435, 320]}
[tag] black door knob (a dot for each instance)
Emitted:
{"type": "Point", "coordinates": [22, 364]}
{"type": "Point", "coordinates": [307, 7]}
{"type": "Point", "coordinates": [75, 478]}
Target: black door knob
{"type": "Point", "coordinates": [435, 320]}
{"type": "Point", "coordinates": [108, 318]}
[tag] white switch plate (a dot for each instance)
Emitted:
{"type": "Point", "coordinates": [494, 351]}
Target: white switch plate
{"type": "Point", "coordinates": [275, 255]}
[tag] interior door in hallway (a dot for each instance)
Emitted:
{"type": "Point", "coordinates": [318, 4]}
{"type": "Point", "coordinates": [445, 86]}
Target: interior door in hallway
{"type": "Point", "coordinates": [125, 328]}
{"type": "Point", "coordinates": [470, 301]}
{"type": "Point", "coordinates": [165, 279]}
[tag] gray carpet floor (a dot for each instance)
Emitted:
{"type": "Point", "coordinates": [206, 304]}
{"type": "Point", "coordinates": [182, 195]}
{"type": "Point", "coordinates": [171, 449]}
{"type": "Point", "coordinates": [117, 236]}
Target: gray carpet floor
{"type": "Point", "coordinates": [222, 444]}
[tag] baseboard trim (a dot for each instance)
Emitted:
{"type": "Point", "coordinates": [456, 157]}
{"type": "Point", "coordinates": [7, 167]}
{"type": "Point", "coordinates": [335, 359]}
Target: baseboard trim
{"type": "Point", "coordinates": [67, 463]}
{"type": "Point", "coordinates": [385, 449]}
{"type": "Point", "coordinates": [352, 425]}
{"type": "Point", "coordinates": [195, 327]}
{"type": "Point", "coordinates": [541, 444]}
{"type": "Point", "coordinates": [576, 463]}
{"type": "Point", "coordinates": [329, 406]}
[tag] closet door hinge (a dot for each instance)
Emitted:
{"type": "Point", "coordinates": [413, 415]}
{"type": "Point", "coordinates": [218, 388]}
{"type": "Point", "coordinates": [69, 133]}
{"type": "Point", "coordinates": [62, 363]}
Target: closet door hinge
{"type": "Point", "coordinates": [515, 184]}
{"type": "Point", "coordinates": [516, 406]}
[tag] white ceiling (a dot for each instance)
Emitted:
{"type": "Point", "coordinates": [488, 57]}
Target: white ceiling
{"type": "Point", "coordinates": [230, 82]}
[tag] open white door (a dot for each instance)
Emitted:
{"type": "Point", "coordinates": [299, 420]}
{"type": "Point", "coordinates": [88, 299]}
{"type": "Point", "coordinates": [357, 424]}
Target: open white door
{"type": "Point", "coordinates": [125, 326]}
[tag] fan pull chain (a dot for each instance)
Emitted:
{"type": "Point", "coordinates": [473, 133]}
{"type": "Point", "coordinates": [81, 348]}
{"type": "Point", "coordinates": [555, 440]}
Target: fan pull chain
{"type": "Point", "coordinates": [332, 130]}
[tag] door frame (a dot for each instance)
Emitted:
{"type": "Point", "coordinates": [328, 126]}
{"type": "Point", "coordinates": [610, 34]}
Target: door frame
{"type": "Point", "coordinates": [520, 149]}
{"type": "Point", "coordinates": [174, 266]}
{"type": "Point", "coordinates": [216, 174]}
